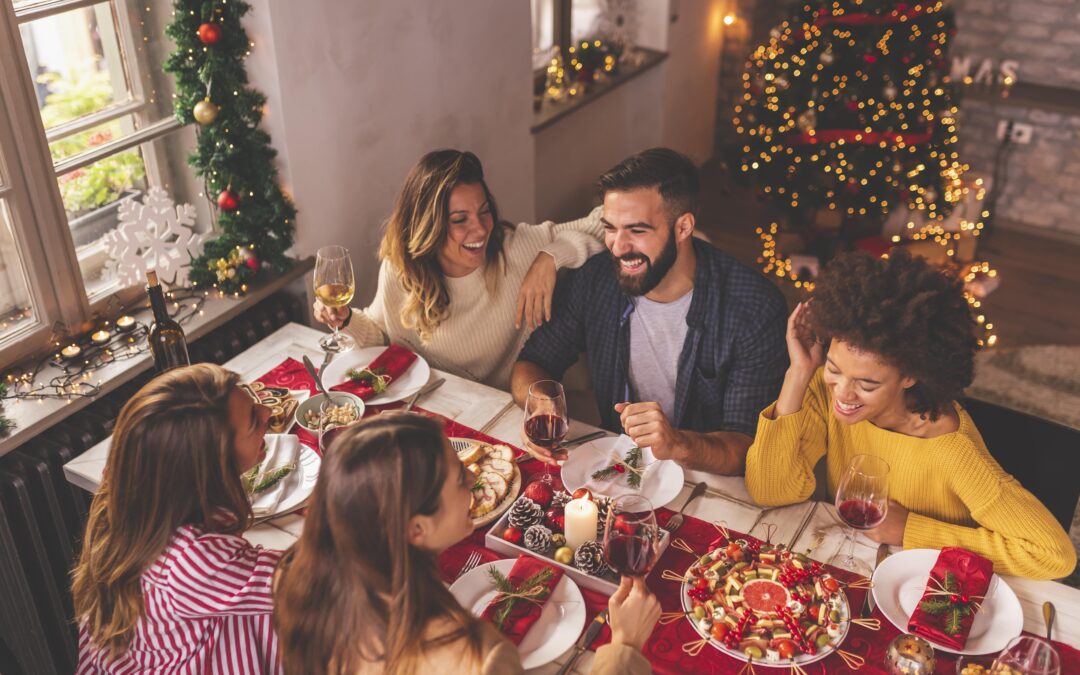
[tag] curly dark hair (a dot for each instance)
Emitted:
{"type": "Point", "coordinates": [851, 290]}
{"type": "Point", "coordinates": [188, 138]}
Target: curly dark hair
{"type": "Point", "coordinates": [909, 313]}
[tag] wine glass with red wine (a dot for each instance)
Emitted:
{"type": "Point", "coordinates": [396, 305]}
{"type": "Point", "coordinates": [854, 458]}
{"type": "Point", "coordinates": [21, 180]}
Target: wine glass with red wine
{"type": "Point", "coordinates": [862, 499]}
{"type": "Point", "coordinates": [546, 422]}
{"type": "Point", "coordinates": [631, 536]}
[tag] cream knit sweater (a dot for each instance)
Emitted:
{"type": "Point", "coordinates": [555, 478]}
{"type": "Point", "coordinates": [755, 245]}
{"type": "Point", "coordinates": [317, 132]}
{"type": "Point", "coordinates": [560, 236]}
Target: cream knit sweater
{"type": "Point", "coordinates": [477, 340]}
{"type": "Point", "coordinates": [956, 493]}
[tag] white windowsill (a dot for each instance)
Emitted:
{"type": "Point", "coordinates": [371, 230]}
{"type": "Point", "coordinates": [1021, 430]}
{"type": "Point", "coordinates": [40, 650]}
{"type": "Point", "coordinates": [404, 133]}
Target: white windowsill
{"type": "Point", "coordinates": [31, 417]}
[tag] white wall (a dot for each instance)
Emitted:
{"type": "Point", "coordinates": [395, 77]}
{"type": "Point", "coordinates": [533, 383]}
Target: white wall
{"type": "Point", "coordinates": [360, 90]}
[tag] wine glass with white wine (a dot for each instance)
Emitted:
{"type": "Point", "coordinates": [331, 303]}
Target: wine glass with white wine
{"type": "Point", "coordinates": [334, 287]}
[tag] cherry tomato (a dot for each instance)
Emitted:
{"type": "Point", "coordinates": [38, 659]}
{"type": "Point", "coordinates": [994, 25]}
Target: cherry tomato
{"type": "Point", "coordinates": [814, 611]}
{"type": "Point", "coordinates": [786, 648]}
{"type": "Point", "coordinates": [830, 584]}
{"type": "Point", "coordinates": [734, 551]}
{"type": "Point", "coordinates": [719, 630]}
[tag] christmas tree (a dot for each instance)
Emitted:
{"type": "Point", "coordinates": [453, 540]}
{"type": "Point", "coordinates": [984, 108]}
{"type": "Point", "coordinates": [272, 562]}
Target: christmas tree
{"type": "Point", "coordinates": [848, 116]}
{"type": "Point", "coordinates": [233, 157]}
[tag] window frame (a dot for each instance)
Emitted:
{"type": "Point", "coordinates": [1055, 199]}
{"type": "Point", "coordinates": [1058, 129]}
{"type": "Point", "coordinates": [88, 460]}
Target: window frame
{"type": "Point", "coordinates": [40, 223]}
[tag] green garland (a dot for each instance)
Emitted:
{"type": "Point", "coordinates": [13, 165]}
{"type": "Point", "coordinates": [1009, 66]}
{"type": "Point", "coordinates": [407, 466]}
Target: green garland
{"type": "Point", "coordinates": [233, 155]}
{"type": "Point", "coordinates": [6, 425]}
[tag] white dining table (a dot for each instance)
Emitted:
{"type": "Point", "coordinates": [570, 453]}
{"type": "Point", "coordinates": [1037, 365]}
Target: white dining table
{"type": "Point", "coordinates": [813, 527]}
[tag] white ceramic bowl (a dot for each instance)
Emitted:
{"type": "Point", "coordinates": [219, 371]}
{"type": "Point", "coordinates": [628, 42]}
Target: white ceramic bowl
{"type": "Point", "coordinates": [315, 402]}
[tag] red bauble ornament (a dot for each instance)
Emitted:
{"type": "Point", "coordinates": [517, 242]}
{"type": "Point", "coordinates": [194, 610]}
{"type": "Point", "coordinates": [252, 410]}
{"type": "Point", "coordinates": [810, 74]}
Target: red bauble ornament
{"type": "Point", "coordinates": [852, 105]}
{"type": "Point", "coordinates": [252, 263]}
{"type": "Point", "coordinates": [901, 6]}
{"type": "Point", "coordinates": [869, 58]}
{"type": "Point", "coordinates": [228, 200]}
{"type": "Point", "coordinates": [555, 520]}
{"type": "Point", "coordinates": [209, 33]}
{"type": "Point", "coordinates": [539, 492]}
{"type": "Point", "coordinates": [512, 535]}
{"type": "Point", "coordinates": [582, 493]}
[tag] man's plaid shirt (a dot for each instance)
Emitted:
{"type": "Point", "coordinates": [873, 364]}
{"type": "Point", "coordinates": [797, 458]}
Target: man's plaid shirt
{"type": "Point", "coordinates": [732, 362]}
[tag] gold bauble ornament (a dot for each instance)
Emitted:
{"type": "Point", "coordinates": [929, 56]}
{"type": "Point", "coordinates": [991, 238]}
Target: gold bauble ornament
{"type": "Point", "coordinates": [205, 111]}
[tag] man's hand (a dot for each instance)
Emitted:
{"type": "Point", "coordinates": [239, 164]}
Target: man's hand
{"type": "Point", "coordinates": [648, 426]}
{"type": "Point", "coordinates": [542, 454]}
{"type": "Point", "coordinates": [891, 530]}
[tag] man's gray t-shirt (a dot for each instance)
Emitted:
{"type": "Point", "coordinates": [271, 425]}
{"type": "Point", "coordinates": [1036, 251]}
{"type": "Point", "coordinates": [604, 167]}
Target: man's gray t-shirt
{"type": "Point", "coordinates": [657, 334]}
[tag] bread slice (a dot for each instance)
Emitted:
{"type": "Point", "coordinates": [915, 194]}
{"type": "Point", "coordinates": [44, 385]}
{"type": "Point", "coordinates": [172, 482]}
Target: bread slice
{"type": "Point", "coordinates": [472, 454]}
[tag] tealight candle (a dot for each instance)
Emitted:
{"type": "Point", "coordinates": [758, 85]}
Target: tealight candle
{"type": "Point", "coordinates": [125, 323]}
{"type": "Point", "coordinates": [70, 352]}
{"type": "Point", "coordinates": [580, 521]}
{"type": "Point", "coordinates": [100, 337]}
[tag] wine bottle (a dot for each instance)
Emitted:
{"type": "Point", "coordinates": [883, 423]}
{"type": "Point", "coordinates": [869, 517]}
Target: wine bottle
{"type": "Point", "coordinates": [166, 337]}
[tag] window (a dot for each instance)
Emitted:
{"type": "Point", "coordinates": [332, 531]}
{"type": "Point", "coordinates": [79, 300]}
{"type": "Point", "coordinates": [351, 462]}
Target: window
{"type": "Point", "coordinates": [89, 123]}
{"type": "Point", "coordinates": [560, 24]}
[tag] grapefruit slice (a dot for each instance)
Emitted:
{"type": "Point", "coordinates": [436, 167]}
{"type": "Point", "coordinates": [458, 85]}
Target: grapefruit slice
{"type": "Point", "coordinates": [763, 595]}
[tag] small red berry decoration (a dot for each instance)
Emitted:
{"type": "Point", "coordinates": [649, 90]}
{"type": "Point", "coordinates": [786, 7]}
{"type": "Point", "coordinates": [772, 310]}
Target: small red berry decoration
{"type": "Point", "coordinates": [539, 492]}
{"type": "Point", "coordinates": [209, 33]}
{"type": "Point", "coordinates": [252, 263]}
{"type": "Point", "coordinates": [512, 535]}
{"type": "Point", "coordinates": [228, 200]}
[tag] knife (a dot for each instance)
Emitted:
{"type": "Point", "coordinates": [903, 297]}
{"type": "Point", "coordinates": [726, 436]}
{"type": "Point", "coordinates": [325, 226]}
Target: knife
{"type": "Point", "coordinates": [868, 604]}
{"type": "Point", "coordinates": [587, 639]}
{"type": "Point", "coordinates": [572, 443]}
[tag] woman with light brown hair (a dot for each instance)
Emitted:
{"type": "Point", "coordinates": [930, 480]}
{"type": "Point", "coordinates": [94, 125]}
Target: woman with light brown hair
{"type": "Point", "coordinates": [360, 594]}
{"type": "Point", "coordinates": [164, 582]}
{"type": "Point", "coordinates": [457, 285]}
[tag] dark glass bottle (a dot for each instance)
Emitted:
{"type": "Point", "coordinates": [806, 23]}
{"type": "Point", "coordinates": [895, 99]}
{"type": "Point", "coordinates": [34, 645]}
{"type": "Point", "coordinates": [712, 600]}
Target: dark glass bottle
{"type": "Point", "coordinates": [166, 337]}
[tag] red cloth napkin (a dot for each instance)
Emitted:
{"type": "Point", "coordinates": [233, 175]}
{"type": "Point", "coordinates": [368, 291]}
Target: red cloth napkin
{"type": "Point", "coordinates": [970, 575]}
{"type": "Point", "coordinates": [391, 364]}
{"type": "Point", "coordinates": [290, 374]}
{"type": "Point", "coordinates": [525, 612]}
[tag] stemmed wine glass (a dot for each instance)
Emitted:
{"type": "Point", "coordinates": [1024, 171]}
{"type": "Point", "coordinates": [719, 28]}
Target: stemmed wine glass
{"type": "Point", "coordinates": [546, 422]}
{"type": "Point", "coordinates": [862, 499]}
{"type": "Point", "coordinates": [631, 536]}
{"type": "Point", "coordinates": [1029, 656]}
{"type": "Point", "coordinates": [334, 286]}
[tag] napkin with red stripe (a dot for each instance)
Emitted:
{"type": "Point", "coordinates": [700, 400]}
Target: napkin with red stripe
{"type": "Point", "coordinates": [532, 581]}
{"type": "Point", "coordinates": [954, 593]}
{"type": "Point", "coordinates": [387, 367]}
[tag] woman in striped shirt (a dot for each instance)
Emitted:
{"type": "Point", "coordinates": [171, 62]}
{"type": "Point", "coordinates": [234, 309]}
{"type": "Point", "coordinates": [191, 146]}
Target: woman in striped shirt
{"type": "Point", "coordinates": [165, 583]}
{"type": "Point", "coordinates": [359, 593]}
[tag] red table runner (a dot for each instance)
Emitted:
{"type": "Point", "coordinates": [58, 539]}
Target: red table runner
{"type": "Point", "coordinates": [664, 648]}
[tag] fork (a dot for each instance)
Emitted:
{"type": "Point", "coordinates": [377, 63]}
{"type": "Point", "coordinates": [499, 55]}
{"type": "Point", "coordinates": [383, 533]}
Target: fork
{"type": "Point", "coordinates": [676, 521]}
{"type": "Point", "coordinates": [473, 560]}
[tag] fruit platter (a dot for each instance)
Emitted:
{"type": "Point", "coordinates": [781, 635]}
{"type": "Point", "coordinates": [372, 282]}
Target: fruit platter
{"type": "Point", "coordinates": [761, 601]}
{"type": "Point", "coordinates": [535, 524]}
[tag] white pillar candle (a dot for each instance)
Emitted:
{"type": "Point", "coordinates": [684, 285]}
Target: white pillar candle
{"type": "Point", "coordinates": [580, 522]}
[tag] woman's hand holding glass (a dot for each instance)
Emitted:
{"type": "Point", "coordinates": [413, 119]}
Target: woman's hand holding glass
{"type": "Point", "coordinates": [633, 612]}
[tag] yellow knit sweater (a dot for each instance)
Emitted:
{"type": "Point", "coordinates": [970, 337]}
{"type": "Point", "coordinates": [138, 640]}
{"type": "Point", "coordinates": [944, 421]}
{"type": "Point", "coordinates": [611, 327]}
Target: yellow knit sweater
{"type": "Point", "coordinates": [956, 493]}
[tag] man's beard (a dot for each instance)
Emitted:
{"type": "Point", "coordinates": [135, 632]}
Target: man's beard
{"type": "Point", "coordinates": [655, 271]}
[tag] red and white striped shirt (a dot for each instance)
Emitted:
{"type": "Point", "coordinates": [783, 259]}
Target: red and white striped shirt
{"type": "Point", "coordinates": [207, 610]}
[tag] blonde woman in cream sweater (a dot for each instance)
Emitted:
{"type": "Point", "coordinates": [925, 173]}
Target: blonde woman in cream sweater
{"type": "Point", "coordinates": [457, 285]}
{"type": "Point", "coordinates": [902, 350]}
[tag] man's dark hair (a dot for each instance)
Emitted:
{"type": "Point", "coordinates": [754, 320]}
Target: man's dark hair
{"type": "Point", "coordinates": [670, 172]}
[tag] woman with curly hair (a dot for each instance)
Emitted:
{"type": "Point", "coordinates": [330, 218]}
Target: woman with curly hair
{"type": "Point", "coordinates": [457, 285]}
{"type": "Point", "coordinates": [898, 341]}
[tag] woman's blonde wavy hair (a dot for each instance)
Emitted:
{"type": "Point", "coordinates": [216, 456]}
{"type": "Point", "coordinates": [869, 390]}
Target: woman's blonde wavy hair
{"type": "Point", "coordinates": [418, 227]}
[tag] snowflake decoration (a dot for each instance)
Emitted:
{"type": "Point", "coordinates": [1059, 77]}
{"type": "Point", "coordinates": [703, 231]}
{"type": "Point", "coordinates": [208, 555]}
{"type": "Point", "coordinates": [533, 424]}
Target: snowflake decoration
{"type": "Point", "coordinates": [155, 234]}
{"type": "Point", "coordinates": [617, 21]}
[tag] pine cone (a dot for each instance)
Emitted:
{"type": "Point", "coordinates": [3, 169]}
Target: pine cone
{"type": "Point", "coordinates": [561, 498]}
{"type": "Point", "coordinates": [525, 513]}
{"type": "Point", "coordinates": [602, 506]}
{"type": "Point", "coordinates": [589, 558]}
{"type": "Point", "coordinates": [538, 539]}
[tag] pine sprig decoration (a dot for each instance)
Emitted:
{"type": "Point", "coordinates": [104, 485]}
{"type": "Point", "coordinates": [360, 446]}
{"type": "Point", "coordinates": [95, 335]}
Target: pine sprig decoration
{"type": "Point", "coordinates": [232, 153]}
{"type": "Point", "coordinates": [6, 425]}
{"type": "Point", "coordinates": [631, 461]}
{"type": "Point", "coordinates": [376, 378]}
{"type": "Point", "coordinates": [533, 589]}
{"type": "Point", "coordinates": [948, 600]}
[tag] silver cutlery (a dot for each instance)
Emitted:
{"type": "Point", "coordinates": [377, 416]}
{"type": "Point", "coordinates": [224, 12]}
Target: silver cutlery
{"type": "Point", "coordinates": [423, 391]}
{"type": "Point", "coordinates": [472, 561]}
{"type": "Point", "coordinates": [310, 368]}
{"type": "Point", "coordinates": [868, 602]}
{"type": "Point", "coordinates": [676, 521]}
{"type": "Point", "coordinates": [587, 639]}
{"type": "Point", "coordinates": [1048, 616]}
{"type": "Point", "coordinates": [572, 443]}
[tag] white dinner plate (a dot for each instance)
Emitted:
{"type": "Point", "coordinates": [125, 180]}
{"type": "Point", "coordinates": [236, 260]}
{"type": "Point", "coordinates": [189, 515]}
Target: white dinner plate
{"type": "Point", "coordinates": [560, 621]}
{"type": "Point", "coordinates": [899, 582]}
{"type": "Point", "coordinates": [298, 485]}
{"type": "Point", "coordinates": [400, 389]}
{"type": "Point", "coordinates": [661, 482]}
